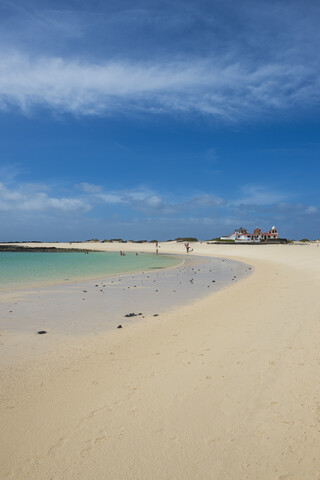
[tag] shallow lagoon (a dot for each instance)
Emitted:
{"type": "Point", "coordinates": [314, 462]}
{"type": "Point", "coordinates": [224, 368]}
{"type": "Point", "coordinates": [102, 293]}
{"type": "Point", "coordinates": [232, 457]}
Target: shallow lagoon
{"type": "Point", "coordinates": [21, 268]}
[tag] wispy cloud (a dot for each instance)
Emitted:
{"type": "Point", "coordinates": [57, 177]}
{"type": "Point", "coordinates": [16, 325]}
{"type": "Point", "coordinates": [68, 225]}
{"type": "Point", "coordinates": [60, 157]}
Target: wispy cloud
{"type": "Point", "coordinates": [258, 195]}
{"type": "Point", "coordinates": [225, 90]}
{"type": "Point", "coordinates": [89, 187]}
{"type": "Point", "coordinates": [228, 61]}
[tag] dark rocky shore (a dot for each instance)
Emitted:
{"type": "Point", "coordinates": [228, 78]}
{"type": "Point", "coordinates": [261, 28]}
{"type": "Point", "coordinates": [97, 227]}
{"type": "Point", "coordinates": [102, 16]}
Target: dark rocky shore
{"type": "Point", "coordinates": [20, 248]}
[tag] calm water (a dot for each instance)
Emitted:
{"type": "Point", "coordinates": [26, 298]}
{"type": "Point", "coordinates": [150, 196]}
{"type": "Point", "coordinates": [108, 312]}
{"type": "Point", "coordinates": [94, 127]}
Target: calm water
{"type": "Point", "coordinates": [43, 267]}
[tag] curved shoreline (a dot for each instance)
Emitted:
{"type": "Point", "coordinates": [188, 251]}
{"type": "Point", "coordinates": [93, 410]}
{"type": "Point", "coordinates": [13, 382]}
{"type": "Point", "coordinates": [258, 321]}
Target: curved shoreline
{"type": "Point", "coordinates": [223, 388]}
{"type": "Point", "coordinates": [97, 305]}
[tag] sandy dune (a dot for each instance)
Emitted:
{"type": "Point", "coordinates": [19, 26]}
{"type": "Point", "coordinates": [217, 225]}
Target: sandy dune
{"type": "Point", "coordinates": [226, 388]}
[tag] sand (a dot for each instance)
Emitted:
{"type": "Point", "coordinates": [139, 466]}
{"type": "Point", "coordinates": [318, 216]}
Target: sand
{"type": "Point", "coordinates": [226, 387]}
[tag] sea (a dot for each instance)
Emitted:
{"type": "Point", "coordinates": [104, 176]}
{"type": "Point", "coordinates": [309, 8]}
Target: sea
{"type": "Point", "coordinates": [32, 268]}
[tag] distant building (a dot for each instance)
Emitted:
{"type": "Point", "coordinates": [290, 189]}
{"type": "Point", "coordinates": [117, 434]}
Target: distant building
{"type": "Point", "coordinates": [273, 233]}
{"type": "Point", "coordinates": [242, 236]}
{"type": "Point", "coordinates": [233, 236]}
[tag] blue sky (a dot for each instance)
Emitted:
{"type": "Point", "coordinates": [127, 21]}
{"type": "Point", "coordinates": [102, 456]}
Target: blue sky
{"type": "Point", "coordinates": [153, 119]}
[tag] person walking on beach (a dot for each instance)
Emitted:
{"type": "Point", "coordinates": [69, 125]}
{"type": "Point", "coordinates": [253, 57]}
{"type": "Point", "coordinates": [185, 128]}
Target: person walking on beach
{"type": "Point", "coordinates": [187, 247]}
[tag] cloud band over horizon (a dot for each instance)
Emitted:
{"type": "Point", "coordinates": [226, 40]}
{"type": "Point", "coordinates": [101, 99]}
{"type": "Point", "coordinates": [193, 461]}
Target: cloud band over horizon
{"type": "Point", "coordinates": [121, 210]}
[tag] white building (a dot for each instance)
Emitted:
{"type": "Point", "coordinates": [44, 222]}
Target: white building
{"type": "Point", "coordinates": [242, 236]}
{"type": "Point", "coordinates": [234, 235]}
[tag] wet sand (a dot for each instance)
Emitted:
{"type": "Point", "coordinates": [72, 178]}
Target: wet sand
{"type": "Point", "coordinates": [92, 307]}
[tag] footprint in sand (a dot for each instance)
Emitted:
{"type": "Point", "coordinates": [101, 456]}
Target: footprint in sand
{"type": "Point", "coordinates": [100, 439]}
{"type": "Point", "coordinates": [85, 452]}
{"type": "Point", "coordinates": [59, 444]}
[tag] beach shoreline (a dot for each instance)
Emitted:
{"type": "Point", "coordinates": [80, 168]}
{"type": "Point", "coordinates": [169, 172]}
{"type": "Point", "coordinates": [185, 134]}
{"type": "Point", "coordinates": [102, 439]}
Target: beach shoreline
{"type": "Point", "coordinates": [92, 306]}
{"type": "Point", "coordinates": [225, 387]}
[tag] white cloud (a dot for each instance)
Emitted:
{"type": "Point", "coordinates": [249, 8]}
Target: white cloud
{"type": "Point", "coordinates": [154, 201]}
{"type": "Point", "coordinates": [206, 200]}
{"type": "Point", "coordinates": [311, 210]}
{"type": "Point", "coordinates": [111, 198]}
{"type": "Point", "coordinates": [227, 90]}
{"type": "Point", "coordinates": [89, 187]}
{"type": "Point", "coordinates": [25, 199]}
{"type": "Point", "coordinates": [258, 205]}
{"type": "Point", "coordinates": [258, 195]}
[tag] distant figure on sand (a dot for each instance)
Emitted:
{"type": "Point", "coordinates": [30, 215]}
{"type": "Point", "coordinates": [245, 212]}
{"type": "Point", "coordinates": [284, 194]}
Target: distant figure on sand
{"type": "Point", "coordinates": [157, 251]}
{"type": "Point", "coordinates": [187, 247]}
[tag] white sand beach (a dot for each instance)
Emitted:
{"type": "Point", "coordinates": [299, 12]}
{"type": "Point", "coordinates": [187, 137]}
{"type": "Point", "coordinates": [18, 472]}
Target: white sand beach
{"type": "Point", "coordinates": [226, 387]}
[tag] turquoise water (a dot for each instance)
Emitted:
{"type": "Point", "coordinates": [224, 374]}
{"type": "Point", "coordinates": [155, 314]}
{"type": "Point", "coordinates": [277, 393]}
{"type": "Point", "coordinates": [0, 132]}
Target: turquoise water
{"type": "Point", "coordinates": [21, 268]}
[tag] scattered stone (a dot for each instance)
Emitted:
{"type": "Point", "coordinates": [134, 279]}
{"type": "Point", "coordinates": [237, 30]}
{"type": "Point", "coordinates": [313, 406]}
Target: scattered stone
{"type": "Point", "coordinates": [156, 315]}
{"type": "Point", "coordinates": [128, 315]}
{"type": "Point", "coordinates": [119, 326]}
{"type": "Point", "coordinates": [84, 291]}
{"type": "Point", "coordinates": [41, 332]}
{"type": "Point", "coordinates": [140, 313]}
{"type": "Point", "coordinates": [213, 281]}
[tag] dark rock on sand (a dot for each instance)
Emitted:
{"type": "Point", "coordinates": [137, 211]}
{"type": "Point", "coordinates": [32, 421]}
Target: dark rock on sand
{"type": "Point", "coordinates": [41, 332]}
